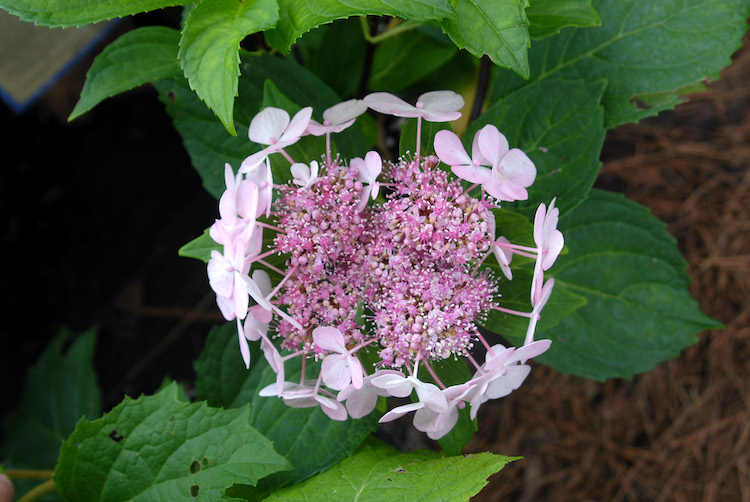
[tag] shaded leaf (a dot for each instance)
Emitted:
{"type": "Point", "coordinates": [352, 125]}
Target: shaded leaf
{"type": "Point", "coordinates": [642, 49]}
{"type": "Point", "coordinates": [137, 57]}
{"type": "Point", "coordinates": [639, 312]}
{"type": "Point", "coordinates": [200, 247]}
{"type": "Point", "coordinates": [559, 124]}
{"type": "Point", "coordinates": [59, 389]}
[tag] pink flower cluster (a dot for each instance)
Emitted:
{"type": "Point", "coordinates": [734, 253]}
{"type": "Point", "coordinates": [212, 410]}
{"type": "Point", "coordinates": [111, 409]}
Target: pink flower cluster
{"type": "Point", "coordinates": [400, 278]}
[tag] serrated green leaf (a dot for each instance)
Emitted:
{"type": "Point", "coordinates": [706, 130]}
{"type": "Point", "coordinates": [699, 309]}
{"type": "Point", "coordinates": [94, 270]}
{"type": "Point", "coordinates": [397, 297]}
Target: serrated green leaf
{"type": "Point", "coordinates": [200, 247]}
{"type": "Point", "coordinates": [559, 124]}
{"type": "Point", "coordinates": [67, 13]}
{"type": "Point", "coordinates": [59, 389]}
{"type": "Point", "coordinates": [404, 59]}
{"type": "Point", "coordinates": [208, 143]}
{"type": "Point", "coordinates": [209, 49]}
{"type": "Point", "coordinates": [498, 28]}
{"type": "Point", "coordinates": [547, 17]}
{"type": "Point", "coordinates": [639, 312]}
{"type": "Point", "coordinates": [642, 48]}
{"type": "Point", "coordinates": [160, 448]}
{"type": "Point", "coordinates": [378, 472]}
{"type": "Point", "coordinates": [305, 436]}
{"type": "Point", "coordinates": [298, 17]}
{"type": "Point", "coordinates": [137, 57]}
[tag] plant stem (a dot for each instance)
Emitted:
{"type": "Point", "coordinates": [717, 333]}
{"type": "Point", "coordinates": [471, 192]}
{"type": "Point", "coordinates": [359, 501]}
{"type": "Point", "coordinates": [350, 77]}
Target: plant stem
{"type": "Point", "coordinates": [28, 474]}
{"type": "Point", "coordinates": [39, 491]}
{"type": "Point", "coordinates": [390, 32]}
{"type": "Point", "coordinates": [483, 82]}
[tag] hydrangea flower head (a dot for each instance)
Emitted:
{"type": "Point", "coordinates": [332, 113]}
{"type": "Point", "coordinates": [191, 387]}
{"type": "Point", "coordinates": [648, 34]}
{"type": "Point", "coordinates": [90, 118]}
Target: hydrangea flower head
{"type": "Point", "coordinates": [378, 255]}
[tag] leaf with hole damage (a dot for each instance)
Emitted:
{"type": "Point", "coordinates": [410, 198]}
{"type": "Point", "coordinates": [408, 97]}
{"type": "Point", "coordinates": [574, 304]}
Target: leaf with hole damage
{"type": "Point", "coordinates": [209, 49]}
{"type": "Point", "coordinates": [160, 448]}
{"type": "Point", "coordinates": [498, 28]}
{"type": "Point", "coordinates": [378, 472]}
{"type": "Point", "coordinates": [79, 12]}
{"type": "Point", "coordinates": [298, 17]}
{"type": "Point", "coordinates": [137, 57]}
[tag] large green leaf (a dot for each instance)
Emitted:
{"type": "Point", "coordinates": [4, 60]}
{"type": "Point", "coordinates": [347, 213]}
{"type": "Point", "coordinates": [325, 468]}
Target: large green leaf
{"type": "Point", "coordinates": [547, 17]}
{"type": "Point", "coordinates": [59, 389]}
{"type": "Point", "coordinates": [378, 472]}
{"type": "Point", "coordinates": [559, 124]}
{"type": "Point", "coordinates": [161, 448]}
{"type": "Point", "coordinates": [137, 57]}
{"type": "Point", "coordinates": [639, 312]}
{"type": "Point", "coordinates": [404, 59]}
{"type": "Point", "coordinates": [649, 52]}
{"type": "Point", "coordinates": [208, 143]}
{"type": "Point", "coordinates": [498, 28]}
{"type": "Point", "coordinates": [78, 12]}
{"type": "Point", "coordinates": [309, 439]}
{"type": "Point", "coordinates": [209, 48]}
{"type": "Point", "coordinates": [300, 16]}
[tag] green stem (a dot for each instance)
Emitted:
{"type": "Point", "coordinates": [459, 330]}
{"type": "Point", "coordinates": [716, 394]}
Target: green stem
{"type": "Point", "coordinates": [39, 491]}
{"type": "Point", "coordinates": [28, 474]}
{"type": "Point", "coordinates": [391, 32]}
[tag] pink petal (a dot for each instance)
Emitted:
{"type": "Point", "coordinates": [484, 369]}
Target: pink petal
{"type": "Point", "coordinates": [518, 167]}
{"type": "Point", "coordinates": [359, 403]}
{"type": "Point", "coordinates": [492, 144]}
{"type": "Point", "coordinates": [329, 338]}
{"type": "Point", "coordinates": [400, 411]}
{"type": "Point", "coordinates": [430, 395]}
{"type": "Point", "coordinates": [335, 371]}
{"type": "Point", "coordinates": [296, 127]}
{"type": "Point", "coordinates": [220, 279]}
{"type": "Point", "coordinates": [268, 125]}
{"type": "Point", "coordinates": [529, 351]}
{"type": "Point", "coordinates": [510, 382]}
{"type": "Point", "coordinates": [385, 102]}
{"type": "Point", "coordinates": [226, 306]}
{"type": "Point", "coordinates": [449, 149]}
{"type": "Point", "coordinates": [394, 384]}
{"type": "Point", "coordinates": [345, 111]}
{"type": "Point", "coordinates": [244, 347]}
{"type": "Point", "coordinates": [441, 106]}
{"type": "Point", "coordinates": [332, 408]}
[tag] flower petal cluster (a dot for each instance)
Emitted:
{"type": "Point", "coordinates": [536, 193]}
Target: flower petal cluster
{"type": "Point", "coordinates": [403, 277]}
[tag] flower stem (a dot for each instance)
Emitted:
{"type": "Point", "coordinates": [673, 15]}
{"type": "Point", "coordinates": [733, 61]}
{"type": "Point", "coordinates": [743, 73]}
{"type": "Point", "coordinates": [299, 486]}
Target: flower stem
{"type": "Point", "coordinates": [39, 491]}
{"type": "Point", "coordinates": [28, 474]}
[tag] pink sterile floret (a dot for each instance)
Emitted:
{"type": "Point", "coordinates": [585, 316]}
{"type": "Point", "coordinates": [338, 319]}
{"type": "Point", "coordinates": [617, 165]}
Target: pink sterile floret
{"type": "Point", "coordinates": [433, 106]}
{"type": "Point", "coordinates": [339, 368]}
{"type": "Point", "coordinates": [338, 117]}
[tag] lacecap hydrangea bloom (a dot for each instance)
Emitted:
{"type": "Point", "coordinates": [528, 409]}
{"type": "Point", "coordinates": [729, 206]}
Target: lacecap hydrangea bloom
{"type": "Point", "coordinates": [380, 257]}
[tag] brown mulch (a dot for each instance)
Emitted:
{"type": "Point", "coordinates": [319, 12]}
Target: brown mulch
{"type": "Point", "coordinates": [681, 431]}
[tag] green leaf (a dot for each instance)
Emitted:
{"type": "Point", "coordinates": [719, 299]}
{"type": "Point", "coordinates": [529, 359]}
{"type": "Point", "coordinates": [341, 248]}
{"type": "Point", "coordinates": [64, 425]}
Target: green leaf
{"type": "Point", "coordinates": [208, 143]}
{"type": "Point", "coordinates": [547, 17]}
{"type": "Point", "coordinates": [209, 49]}
{"type": "Point", "coordinates": [639, 312]}
{"type": "Point", "coordinates": [78, 12]}
{"type": "Point", "coordinates": [378, 472]}
{"type": "Point", "coordinates": [200, 247]}
{"type": "Point", "coordinates": [160, 448]}
{"type": "Point", "coordinates": [404, 59]}
{"type": "Point", "coordinates": [642, 48]}
{"type": "Point", "coordinates": [559, 124]}
{"type": "Point", "coordinates": [137, 57]}
{"type": "Point", "coordinates": [59, 389]}
{"type": "Point", "coordinates": [298, 17]}
{"type": "Point", "coordinates": [338, 65]}
{"type": "Point", "coordinates": [497, 28]}
{"type": "Point", "coordinates": [309, 439]}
